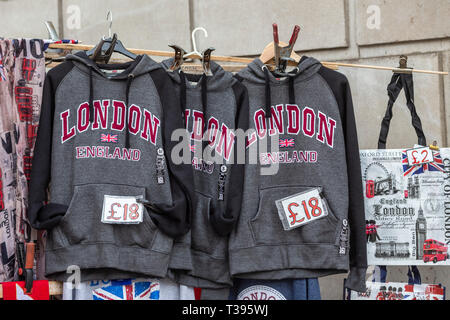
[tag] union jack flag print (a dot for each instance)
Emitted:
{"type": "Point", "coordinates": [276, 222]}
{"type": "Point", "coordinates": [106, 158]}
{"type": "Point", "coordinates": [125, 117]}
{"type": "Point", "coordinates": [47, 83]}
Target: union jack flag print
{"type": "Point", "coordinates": [144, 290]}
{"type": "Point", "coordinates": [436, 165]}
{"type": "Point", "coordinates": [108, 138]}
{"type": "Point", "coordinates": [286, 143]}
{"type": "Point", "coordinates": [2, 72]}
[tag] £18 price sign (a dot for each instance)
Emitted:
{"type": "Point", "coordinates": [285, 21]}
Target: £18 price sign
{"type": "Point", "coordinates": [301, 208]}
{"type": "Point", "coordinates": [121, 209]}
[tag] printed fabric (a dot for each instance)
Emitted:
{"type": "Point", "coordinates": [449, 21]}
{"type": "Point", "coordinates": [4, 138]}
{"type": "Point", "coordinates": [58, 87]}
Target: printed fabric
{"type": "Point", "coordinates": [22, 74]}
{"type": "Point", "coordinates": [17, 291]}
{"type": "Point", "coordinates": [129, 289]}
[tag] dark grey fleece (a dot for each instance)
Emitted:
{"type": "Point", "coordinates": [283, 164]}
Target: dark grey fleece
{"type": "Point", "coordinates": [203, 251]}
{"type": "Point", "coordinates": [78, 179]}
{"type": "Point", "coordinates": [259, 248]}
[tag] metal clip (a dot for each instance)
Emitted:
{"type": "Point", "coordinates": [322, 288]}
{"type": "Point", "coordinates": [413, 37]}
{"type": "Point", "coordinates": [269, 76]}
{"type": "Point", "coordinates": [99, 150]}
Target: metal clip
{"type": "Point", "coordinates": [403, 65]}
{"type": "Point", "coordinates": [206, 61]}
{"type": "Point", "coordinates": [283, 54]}
{"type": "Point", "coordinates": [178, 58]}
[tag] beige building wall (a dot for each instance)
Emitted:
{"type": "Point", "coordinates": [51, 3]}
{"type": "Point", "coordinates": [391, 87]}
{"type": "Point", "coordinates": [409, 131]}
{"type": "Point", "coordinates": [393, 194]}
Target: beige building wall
{"type": "Point", "coordinates": [357, 31]}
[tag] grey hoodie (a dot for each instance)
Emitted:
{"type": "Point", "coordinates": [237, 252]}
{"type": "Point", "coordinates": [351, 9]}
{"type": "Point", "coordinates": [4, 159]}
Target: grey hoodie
{"type": "Point", "coordinates": [219, 103]}
{"type": "Point", "coordinates": [313, 114]}
{"type": "Point", "coordinates": [107, 133]}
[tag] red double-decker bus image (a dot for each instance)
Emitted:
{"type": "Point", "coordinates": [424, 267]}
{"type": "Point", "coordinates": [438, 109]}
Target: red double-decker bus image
{"type": "Point", "coordinates": [434, 251]}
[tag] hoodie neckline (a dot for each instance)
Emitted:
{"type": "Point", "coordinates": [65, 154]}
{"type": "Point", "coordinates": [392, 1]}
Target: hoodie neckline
{"type": "Point", "coordinates": [127, 67]}
{"type": "Point", "coordinates": [305, 70]}
{"type": "Point", "coordinates": [194, 77]}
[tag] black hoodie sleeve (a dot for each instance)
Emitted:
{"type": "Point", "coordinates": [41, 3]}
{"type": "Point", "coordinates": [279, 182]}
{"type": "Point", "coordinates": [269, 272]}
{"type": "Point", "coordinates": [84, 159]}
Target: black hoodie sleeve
{"type": "Point", "coordinates": [358, 250]}
{"type": "Point", "coordinates": [43, 215]}
{"type": "Point", "coordinates": [223, 221]}
{"type": "Point", "coordinates": [175, 219]}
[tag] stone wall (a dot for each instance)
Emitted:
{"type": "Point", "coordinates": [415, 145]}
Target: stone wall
{"type": "Point", "coordinates": [357, 31]}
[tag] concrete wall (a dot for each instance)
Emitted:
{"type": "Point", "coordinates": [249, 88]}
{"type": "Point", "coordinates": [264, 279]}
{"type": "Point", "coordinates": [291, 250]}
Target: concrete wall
{"type": "Point", "coordinates": [358, 31]}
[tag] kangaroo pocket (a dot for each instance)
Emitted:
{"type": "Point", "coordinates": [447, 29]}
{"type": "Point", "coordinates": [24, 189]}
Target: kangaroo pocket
{"type": "Point", "coordinates": [82, 222]}
{"type": "Point", "coordinates": [267, 228]}
{"type": "Point", "coordinates": [203, 236]}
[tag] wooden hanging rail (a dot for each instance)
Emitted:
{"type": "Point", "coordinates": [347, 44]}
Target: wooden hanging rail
{"type": "Point", "coordinates": [159, 53]}
{"type": "Point", "coordinates": [340, 64]}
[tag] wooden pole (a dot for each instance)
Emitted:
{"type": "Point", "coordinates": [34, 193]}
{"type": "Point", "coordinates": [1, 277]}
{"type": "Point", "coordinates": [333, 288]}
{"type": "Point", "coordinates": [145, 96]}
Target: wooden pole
{"type": "Point", "coordinates": [159, 53]}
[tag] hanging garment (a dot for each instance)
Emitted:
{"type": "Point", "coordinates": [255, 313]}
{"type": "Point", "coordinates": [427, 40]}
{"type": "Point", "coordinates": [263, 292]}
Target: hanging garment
{"type": "Point", "coordinates": [22, 73]}
{"type": "Point", "coordinates": [307, 124]}
{"type": "Point", "coordinates": [213, 107]}
{"type": "Point", "coordinates": [289, 289]}
{"type": "Point", "coordinates": [103, 149]}
{"type": "Point", "coordinates": [130, 289]}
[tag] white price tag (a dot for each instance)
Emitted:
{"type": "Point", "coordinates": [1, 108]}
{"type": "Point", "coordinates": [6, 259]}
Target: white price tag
{"type": "Point", "coordinates": [301, 208]}
{"type": "Point", "coordinates": [122, 209]}
{"type": "Point", "coordinates": [418, 156]}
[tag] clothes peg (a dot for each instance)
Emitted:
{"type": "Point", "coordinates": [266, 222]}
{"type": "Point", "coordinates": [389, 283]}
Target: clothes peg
{"type": "Point", "coordinates": [283, 54]}
{"type": "Point", "coordinates": [403, 65]}
{"type": "Point", "coordinates": [178, 58]}
{"type": "Point", "coordinates": [206, 61]}
{"type": "Point", "coordinates": [434, 146]}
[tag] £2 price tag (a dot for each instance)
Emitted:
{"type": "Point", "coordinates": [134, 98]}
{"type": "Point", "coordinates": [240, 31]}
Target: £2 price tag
{"type": "Point", "coordinates": [418, 156]}
{"type": "Point", "coordinates": [301, 208]}
{"type": "Point", "coordinates": [122, 210]}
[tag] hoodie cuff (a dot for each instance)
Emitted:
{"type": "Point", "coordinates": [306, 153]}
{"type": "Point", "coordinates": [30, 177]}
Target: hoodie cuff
{"type": "Point", "coordinates": [356, 280]}
{"type": "Point", "coordinates": [48, 216]}
{"type": "Point", "coordinates": [222, 225]}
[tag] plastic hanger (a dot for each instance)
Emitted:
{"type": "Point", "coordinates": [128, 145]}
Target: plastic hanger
{"type": "Point", "coordinates": [107, 46]}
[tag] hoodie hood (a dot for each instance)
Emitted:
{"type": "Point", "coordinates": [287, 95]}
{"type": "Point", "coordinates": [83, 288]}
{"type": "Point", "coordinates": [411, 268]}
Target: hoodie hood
{"type": "Point", "coordinates": [220, 80]}
{"type": "Point", "coordinates": [143, 64]}
{"type": "Point", "coordinates": [258, 73]}
{"type": "Point", "coordinates": [307, 67]}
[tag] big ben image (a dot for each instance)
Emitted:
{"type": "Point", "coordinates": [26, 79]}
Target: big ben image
{"type": "Point", "coordinates": [421, 233]}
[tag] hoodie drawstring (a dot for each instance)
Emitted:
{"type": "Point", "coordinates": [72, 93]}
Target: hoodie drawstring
{"type": "Point", "coordinates": [183, 94]}
{"type": "Point", "coordinates": [91, 96]}
{"type": "Point", "coordinates": [204, 96]}
{"type": "Point", "coordinates": [268, 97]}
{"type": "Point", "coordinates": [127, 98]}
{"type": "Point", "coordinates": [291, 90]}
{"type": "Point", "coordinates": [268, 93]}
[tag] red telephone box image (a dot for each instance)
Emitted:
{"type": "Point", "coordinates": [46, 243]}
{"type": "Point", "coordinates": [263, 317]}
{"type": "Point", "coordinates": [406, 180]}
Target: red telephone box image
{"type": "Point", "coordinates": [370, 189]}
{"type": "Point", "coordinates": [434, 251]}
